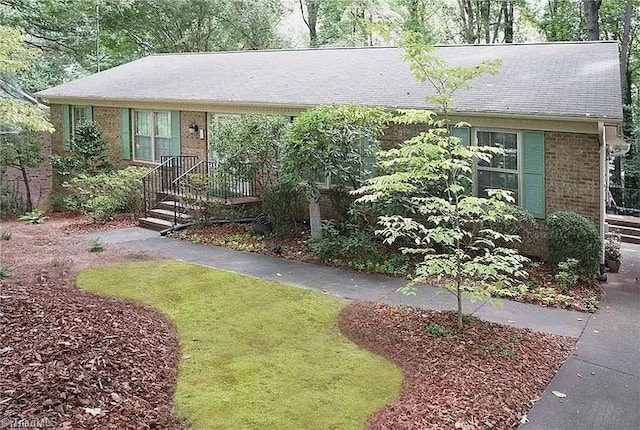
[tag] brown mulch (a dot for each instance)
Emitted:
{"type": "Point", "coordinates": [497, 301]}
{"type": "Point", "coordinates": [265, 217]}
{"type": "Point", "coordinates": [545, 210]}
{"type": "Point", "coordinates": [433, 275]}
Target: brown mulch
{"type": "Point", "coordinates": [76, 359]}
{"type": "Point", "coordinates": [487, 377]}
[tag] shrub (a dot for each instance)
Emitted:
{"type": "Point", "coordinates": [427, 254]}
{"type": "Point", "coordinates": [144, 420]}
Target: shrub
{"type": "Point", "coordinates": [573, 236]}
{"type": "Point", "coordinates": [96, 245]}
{"type": "Point", "coordinates": [101, 196]}
{"type": "Point", "coordinates": [5, 272]}
{"type": "Point", "coordinates": [57, 203]}
{"type": "Point", "coordinates": [5, 235]}
{"type": "Point", "coordinates": [283, 202]}
{"type": "Point", "coordinates": [567, 276]}
{"type": "Point", "coordinates": [101, 208]}
{"type": "Point", "coordinates": [523, 224]}
{"type": "Point", "coordinates": [33, 217]}
{"type": "Point", "coordinates": [325, 245]}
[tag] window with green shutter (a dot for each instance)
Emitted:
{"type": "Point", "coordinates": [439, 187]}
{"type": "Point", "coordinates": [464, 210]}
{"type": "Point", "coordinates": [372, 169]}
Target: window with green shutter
{"type": "Point", "coordinates": [533, 188]}
{"type": "Point", "coordinates": [66, 127]}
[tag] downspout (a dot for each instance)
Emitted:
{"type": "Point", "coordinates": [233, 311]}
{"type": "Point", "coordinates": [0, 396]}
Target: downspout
{"type": "Point", "coordinates": [604, 184]}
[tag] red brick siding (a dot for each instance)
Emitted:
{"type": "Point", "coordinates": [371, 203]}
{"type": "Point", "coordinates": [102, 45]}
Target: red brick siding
{"type": "Point", "coordinates": [191, 143]}
{"type": "Point", "coordinates": [572, 174]}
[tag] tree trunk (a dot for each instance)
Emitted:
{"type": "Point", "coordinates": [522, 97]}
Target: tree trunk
{"type": "Point", "coordinates": [468, 22]}
{"type": "Point", "coordinates": [27, 188]}
{"type": "Point", "coordinates": [311, 19]}
{"type": "Point", "coordinates": [315, 221]}
{"type": "Point", "coordinates": [508, 23]}
{"type": "Point", "coordinates": [591, 9]}
{"type": "Point", "coordinates": [625, 46]}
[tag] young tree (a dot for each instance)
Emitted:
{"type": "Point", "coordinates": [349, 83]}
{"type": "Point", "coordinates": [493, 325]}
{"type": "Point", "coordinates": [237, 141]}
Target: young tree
{"type": "Point", "coordinates": [22, 119]}
{"type": "Point", "coordinates": [451, 229]}
{"type": "Point", "coordinates": [334, 141]}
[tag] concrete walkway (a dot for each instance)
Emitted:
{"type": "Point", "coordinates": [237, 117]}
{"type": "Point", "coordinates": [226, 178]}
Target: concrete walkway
{"type": "Point", "coordinates": [601, 379]}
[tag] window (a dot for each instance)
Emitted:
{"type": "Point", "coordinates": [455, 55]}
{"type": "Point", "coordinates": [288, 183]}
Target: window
{"type": "Point", "coordinates": [152, 135]}
{"type": "Point", "coordinates": [79, 115]}
{"type": "Point", "coordinates": [502, 172]}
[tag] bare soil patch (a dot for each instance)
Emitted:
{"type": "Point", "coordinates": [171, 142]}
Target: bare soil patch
{"type": "Point", "coordinates": [488, 376]}
{"type": "Point", "coordinates": [72, 358]}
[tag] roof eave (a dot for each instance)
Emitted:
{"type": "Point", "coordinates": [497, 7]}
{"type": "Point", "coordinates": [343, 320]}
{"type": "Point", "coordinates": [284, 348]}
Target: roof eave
{"type": "Point", "coordinates": [264, 106]}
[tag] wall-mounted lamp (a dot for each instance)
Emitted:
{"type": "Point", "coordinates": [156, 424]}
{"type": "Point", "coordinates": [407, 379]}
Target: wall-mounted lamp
{"type": "Point", "coordinates": [193, 128]}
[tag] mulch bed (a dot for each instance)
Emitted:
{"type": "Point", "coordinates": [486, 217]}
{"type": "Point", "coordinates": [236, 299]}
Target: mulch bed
{"type": "Point", "coordinates": [582, 297]}
{"type": "Point", "coordinates": [487, 377]}
{"type": "Point", "coordinates": [72, 359]}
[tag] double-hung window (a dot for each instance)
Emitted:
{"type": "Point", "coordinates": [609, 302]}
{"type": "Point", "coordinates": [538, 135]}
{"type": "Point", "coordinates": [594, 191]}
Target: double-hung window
{"type": "Point", "coordinates": [80, 115]}
{"type": "Point", "coordinates": [502, 172]}
{"type": "Point", "coordinates": [152, 135]}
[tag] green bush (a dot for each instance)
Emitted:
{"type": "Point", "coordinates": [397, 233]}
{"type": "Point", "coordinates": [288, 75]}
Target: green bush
{"type": "Point", "coordinates": [5, 235]}
{"type": "Point", "coordinates": [573, 236]}
{"type": "Point", "coordinates": [57, 203]}
{"type": "Point", "coordinates": [523, 225]}
{"type": "Point", "coordinates": [101, 208]}
{"type": "Point", "coordinates": [283, 202]}
{"type": "Point", "coordinates": [344, 241]}
{"type": "Point", "coordinates": [33, 217]}
{"type": "Point", "coordinates": [567, 276]}
{"type": "Point", "coordinates": [103, 195]}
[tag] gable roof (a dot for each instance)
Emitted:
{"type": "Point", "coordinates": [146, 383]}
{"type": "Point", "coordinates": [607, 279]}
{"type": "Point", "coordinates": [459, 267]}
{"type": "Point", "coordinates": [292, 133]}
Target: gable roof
{"type": "Point", "coordinates": [574, 80]}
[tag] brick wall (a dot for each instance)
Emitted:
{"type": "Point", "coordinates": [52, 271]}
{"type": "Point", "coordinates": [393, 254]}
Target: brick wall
{"type": "Point", "coordinates": [572, 180]}
{"type": "Point", "coordinates": [395, 134]}
{"type": "Point", "coordinates": [40, 179]}
{"type": "Point", "coordinates": [191, 143]}
{"type": "Point", "coordinates": [108, 121]}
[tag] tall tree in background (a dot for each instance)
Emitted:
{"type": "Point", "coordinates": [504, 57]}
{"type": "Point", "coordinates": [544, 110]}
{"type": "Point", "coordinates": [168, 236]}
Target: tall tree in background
{"type": "Point", "coordinates": [488, 21]}
{"type": "Point", "coordinates": [591, 9]}
{"type": "Point", "coordinates": [309, 10]}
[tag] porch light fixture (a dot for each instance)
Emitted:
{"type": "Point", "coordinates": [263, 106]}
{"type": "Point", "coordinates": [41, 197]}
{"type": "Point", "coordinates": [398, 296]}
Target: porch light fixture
{"type": "Point", "coordinates": [193, 128]}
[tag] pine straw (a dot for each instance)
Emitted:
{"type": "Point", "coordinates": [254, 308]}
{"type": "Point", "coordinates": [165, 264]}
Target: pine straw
{"type": "Point", "coordinates": [487, 377]}
{"type": "Point", "coordinates": [72, 358]}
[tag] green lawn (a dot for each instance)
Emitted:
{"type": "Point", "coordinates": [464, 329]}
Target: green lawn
{"type": "Point", "coordinates": [256, 354]}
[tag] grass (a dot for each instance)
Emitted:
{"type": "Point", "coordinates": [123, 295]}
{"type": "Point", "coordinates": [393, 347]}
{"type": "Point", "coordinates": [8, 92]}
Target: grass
{"type": "Point", "coordinates": [256, 354]}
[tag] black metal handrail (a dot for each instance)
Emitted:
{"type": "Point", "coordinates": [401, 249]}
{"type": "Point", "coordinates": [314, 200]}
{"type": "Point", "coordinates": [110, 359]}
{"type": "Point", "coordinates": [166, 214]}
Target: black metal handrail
{"type": "Point", "coordinates": [210, 181]}
{"type": "Point", "coordinates": [157, 183]}
{"type": "Point", "coordinates": [624, 201]}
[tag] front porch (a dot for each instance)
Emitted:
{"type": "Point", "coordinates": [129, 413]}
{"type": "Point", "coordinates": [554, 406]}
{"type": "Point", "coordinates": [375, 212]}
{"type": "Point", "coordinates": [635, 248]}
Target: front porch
{"type": "Point", "coordinates": [177, 191]}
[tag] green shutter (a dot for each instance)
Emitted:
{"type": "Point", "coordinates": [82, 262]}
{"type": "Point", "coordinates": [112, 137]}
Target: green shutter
{"type": "Point", "coordinates": [464, 133]}
{"type": "Point", "coordinates": [175, 133]}
{"type": "Point", "coordinates": [125, 134]}
{"type": "Point", "coordinates": [533, 189]}
{"type": "Point", "coordinates": [89, 111]}
{"type": "Point", "coordinates": [66, 128]}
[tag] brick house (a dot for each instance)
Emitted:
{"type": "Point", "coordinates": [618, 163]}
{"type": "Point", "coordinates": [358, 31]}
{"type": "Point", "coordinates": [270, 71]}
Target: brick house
{"type": "Point", "coordinates": [554, 107]}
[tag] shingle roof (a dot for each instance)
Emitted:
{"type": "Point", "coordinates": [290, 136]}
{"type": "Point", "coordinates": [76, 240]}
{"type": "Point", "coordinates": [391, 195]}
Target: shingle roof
{"type": "Point", "coordinates": [550, 79]}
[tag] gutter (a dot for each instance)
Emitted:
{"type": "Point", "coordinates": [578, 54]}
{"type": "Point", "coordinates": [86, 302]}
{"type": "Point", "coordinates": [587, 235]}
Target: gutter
{"type": "Point", "coordinates": [261, 106]}
{"type": "Point", "coordinates": [604, 185]}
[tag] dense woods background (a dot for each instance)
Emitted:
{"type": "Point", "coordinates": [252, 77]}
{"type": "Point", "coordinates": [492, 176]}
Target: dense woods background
{"type": "Point", "coordinates": [79, 37]}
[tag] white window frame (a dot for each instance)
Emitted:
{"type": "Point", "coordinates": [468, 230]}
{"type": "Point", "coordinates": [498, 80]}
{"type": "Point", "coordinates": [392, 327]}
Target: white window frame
{"type": "Point", "coordinates": [152, 137]}
{"type": "Point", "coordinates": [518, 172]}
{"type": "Point", "coordinates": [73, 116]}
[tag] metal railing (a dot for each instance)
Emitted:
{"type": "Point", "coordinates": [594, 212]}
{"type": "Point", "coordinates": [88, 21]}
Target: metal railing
{"type": "Point", "coordinates": [210, 182]}
{"type": "Point", "coordinates": [157, 183]}
{"type": "Point", "coordinates": [625, 201]}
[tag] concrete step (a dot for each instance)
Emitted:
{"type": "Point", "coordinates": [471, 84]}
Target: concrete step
{"type": "Point", "coordinates": [169, 205]}
{"type": "Point", "coordinates": [622, 230]}
{"type": "Point", "coordinates": [154, 223]}
{"type": "Point", "coordinates": [623, 221]}
{"type": "Point", "coordinates": [168, 215]}
{"type": "Point", "coordinates": [630, 239]}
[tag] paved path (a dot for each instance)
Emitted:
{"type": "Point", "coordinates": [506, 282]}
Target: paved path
{"type": "Point", "coordinates": [601, 379]}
